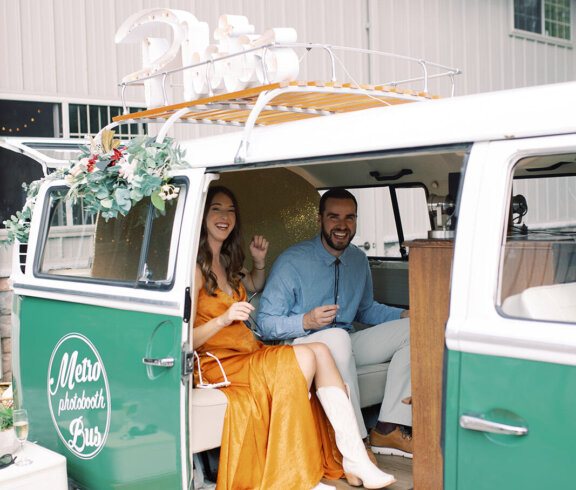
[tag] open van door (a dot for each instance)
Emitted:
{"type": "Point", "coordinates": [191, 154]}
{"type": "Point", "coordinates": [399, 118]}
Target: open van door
{"type": "Point", "coordinates": [23, 160]}
{"type": "Point", "coordinates": [100, 329]}
{"type": "Point", "coordinates": [511, 337]}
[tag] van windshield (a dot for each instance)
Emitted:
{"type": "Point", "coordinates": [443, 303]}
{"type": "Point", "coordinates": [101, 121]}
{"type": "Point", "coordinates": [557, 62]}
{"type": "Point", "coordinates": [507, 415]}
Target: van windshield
{"type": "Point", "coordinates": [135, 250]}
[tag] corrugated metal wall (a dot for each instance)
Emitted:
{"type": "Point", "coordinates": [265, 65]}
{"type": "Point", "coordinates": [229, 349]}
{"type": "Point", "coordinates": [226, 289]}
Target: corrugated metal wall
{"type": "Point", "coordinates": [65, 48]}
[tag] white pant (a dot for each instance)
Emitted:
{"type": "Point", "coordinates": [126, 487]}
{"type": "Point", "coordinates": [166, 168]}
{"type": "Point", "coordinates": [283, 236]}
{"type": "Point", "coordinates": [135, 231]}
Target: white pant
{"type": "Point", "coordinates": [389, 341]}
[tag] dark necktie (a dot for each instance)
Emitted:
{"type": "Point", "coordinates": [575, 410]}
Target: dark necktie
{"type": "Point", "coordinates": [336, 280]}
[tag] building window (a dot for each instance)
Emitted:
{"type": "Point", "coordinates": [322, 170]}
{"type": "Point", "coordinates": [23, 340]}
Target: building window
{"type": "Point", "coordinates": [550, 18]}
{"type": "Point", "coordinates": [23, 118]}
{"type": "Point", "coordinates": [89, 119]}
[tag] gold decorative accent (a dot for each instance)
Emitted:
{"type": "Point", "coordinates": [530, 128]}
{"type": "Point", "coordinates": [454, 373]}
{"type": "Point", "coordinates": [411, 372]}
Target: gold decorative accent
{"type": "Point", "coordinates": [276, 203]}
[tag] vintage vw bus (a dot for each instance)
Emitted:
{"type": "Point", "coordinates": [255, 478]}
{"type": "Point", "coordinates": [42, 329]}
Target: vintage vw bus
{"type": "Point", "coordinates": [467, 211]}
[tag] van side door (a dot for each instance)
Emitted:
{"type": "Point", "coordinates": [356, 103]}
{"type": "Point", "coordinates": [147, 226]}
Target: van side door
{"type": "Point", "coordinates": [510, 363]}
{"type": "Point", "coordinates": [101, 325]}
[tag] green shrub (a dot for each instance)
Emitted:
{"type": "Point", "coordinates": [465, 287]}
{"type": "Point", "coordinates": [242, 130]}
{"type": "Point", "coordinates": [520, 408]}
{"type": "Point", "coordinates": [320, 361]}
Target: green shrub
{"type": "Point", "coordinates": [5, 418]}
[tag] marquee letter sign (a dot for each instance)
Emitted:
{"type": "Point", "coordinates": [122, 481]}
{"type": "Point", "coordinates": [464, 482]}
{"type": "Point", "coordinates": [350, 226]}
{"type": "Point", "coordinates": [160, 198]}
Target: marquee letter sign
{"type": "Point", "coordinates": [234, 34]}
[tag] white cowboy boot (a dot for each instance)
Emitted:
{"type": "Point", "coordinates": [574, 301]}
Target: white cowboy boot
{"type": "Point", "coordinates": [321, 486]}
{"type": "Point", "coordinates": [358, 468]}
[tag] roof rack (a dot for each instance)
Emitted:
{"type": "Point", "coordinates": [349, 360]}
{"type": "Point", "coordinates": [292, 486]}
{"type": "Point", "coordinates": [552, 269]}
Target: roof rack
{"type": "Point", "coordinates": [274, 103]}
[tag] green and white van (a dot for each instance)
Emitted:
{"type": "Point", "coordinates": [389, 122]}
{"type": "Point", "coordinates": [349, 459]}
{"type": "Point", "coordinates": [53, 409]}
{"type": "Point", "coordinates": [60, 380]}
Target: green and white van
{"type": "Point", "coordinates": [467, 211]}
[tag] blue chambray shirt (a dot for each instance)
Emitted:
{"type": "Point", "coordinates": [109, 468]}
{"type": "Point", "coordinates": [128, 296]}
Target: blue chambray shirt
{"type": "Point", "coordinates": [303, 278]}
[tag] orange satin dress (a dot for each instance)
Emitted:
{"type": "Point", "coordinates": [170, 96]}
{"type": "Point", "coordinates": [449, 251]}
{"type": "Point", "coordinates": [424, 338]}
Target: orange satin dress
{"type": "Point", "coordinates": [274, 436]}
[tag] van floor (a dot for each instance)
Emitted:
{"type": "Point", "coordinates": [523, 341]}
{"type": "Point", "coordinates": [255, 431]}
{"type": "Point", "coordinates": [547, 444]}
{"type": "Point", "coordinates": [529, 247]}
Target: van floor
{"type": "Point", "coordinates": [400, 467]}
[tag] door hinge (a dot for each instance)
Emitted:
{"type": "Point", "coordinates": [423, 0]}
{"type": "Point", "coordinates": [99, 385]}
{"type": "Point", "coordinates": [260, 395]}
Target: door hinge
{"type": "Point", "coordinates": [187, 305]}
{"type": "Point", "coordinates": [187, 360]}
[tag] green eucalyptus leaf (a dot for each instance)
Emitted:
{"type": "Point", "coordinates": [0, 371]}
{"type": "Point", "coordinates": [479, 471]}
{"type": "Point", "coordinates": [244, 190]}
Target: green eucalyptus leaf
{"type": "Point", "coordinates": [136, 195]}
{"type": "Point", "coordinates": [157, 201]}
{"type": "Point", "coordinates": [123, 201]}
{"type": "Point", "coordinates": [101, 165]}
{"type": "Point", "coordinates": [107, 203]}
{"type": "Point", "coordinates": [102, 192]}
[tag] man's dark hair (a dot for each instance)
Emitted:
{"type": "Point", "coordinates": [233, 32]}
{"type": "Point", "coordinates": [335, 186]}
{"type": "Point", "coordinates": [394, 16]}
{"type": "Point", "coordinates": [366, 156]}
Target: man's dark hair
{"type": "Point", "coordinates": [337, 193]}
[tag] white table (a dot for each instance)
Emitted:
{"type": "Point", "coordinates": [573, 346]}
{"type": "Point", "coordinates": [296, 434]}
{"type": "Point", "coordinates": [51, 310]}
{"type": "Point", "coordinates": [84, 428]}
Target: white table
{"type": "Point", "coordinates": [47, 470]}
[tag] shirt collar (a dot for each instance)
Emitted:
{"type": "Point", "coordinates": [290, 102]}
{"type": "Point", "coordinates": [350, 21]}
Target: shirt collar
{"type": "Point", "coordinates": [326, 257]}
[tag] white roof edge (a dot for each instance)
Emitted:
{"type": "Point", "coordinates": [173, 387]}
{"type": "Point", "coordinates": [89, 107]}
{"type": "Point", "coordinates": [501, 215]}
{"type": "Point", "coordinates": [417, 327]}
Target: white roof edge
{"type": "Point", "coordinates": [518, 113]}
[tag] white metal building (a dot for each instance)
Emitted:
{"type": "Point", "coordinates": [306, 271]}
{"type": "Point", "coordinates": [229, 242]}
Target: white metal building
{"type": "Point", "coordinates": [62, 53]}
{"type": "Point", "coordinates": [64, 49]}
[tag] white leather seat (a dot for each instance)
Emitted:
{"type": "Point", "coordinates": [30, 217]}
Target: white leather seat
{"type": "Point", "coordinates": [208, 407]}
{"type": "Point", "coordinates": [372, 381]}
{"type": "Point", "coordinates": [556, 302]}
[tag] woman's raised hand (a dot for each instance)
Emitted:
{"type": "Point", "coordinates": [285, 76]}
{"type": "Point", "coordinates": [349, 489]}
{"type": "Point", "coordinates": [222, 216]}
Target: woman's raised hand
{"type": "Point", "coordinates": [238, 311]}
{"type": "Point", "coordinates": [258, 251]}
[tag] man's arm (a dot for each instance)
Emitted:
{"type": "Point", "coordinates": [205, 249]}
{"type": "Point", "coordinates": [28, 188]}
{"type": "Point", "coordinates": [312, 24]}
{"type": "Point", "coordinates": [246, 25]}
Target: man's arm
{"type": "Point", "coordinates": [371, 312]}
{"type": "Point", "coordinates": [276, 304]}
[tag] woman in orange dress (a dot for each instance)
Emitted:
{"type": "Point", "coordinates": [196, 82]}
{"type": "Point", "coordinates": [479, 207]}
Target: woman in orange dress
{"type": "Point", "coordinates": [275, 432]}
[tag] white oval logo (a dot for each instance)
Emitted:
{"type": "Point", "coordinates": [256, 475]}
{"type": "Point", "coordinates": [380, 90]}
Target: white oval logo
{"type": "Point", "coordinates": [79, 395]}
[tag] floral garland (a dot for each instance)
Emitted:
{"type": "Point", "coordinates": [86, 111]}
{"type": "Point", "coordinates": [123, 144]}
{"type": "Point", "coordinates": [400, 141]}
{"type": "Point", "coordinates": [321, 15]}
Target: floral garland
{"type": "Point", "coordinates": [111, 179]}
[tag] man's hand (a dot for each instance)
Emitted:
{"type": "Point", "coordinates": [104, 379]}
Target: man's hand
{"type": "Point", "coordinates": [319, 317]}
{"type": "Point", "coordinates": [405, 314]}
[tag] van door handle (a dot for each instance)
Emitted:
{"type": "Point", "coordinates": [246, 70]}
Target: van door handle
{"type": "Point", "coordinates": [474, 421]}
{"type": "Point", "coordinates": [162, 362]}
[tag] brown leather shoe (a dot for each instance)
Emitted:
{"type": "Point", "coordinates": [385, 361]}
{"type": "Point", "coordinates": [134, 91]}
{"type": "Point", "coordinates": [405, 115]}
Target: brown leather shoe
{"type": "Point", "coordinates": [397, 443]}
{"type": "Point", "coordinates": [369, 451]}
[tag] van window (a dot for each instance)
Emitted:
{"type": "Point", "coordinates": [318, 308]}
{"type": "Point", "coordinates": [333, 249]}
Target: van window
{"type": "Point", "coordinates": [377, 231]}
{"type": "Point", "coordinates": [538, 273]}
{"type": "Point", "coordinates": [132, 250]}
{"type": "Point", "coordinates": [15, 169]}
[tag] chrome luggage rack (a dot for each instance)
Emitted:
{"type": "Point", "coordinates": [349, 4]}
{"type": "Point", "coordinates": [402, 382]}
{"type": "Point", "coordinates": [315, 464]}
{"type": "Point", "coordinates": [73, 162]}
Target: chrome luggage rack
{"type": "Point", "coordinates": [274, 103]}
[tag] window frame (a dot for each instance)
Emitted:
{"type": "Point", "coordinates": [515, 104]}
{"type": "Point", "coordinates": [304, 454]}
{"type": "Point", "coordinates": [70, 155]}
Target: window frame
{"type": "Point", "coordinates": [534, 36]}
{"type": "Point", "coordinates": [398, 223]}
{"type": "Point", "coordinates": [96, 110]}
{"type": "Point", "coordinates": [507, 239]}
{"type": "Point", "coordinates": [171, 262]}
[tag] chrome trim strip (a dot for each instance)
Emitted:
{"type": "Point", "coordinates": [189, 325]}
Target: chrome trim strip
{"type": "Point", "coordinates": [22, 288]}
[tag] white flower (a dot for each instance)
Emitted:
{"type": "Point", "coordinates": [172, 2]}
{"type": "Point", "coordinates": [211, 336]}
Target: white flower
{"type": "Point", "coordinates": [79, 167]}
{"type": "Point", "coordinates": [169, 192]}
{"type": "Point", "coordinates": [127, 169]}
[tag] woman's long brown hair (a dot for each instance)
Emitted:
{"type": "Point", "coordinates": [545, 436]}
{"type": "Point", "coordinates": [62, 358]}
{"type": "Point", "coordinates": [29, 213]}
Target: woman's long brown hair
{"type": "Point", "coordinates": [232, 248]}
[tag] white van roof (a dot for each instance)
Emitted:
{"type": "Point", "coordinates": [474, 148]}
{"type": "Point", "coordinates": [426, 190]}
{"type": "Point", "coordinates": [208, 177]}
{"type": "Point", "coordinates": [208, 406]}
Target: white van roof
{"type": "Point", "coordinates": [519, 113]}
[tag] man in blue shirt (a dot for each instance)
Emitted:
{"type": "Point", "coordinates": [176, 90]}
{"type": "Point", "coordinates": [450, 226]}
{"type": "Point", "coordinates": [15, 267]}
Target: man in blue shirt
{"type": "Point", "coordinates": [315, 291]}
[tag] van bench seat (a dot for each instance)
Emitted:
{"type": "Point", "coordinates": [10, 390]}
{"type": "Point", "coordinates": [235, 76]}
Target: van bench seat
{"type": "Point", "coordinates": [371, 382]}
{"type": "Point", "coordinates": [208, 407]}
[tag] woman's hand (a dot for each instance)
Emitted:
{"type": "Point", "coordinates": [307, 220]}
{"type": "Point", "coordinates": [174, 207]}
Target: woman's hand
{"type": "Point", "coordinates": [237, 312]}
{"type": "Point", "coordinates": [258, 251]}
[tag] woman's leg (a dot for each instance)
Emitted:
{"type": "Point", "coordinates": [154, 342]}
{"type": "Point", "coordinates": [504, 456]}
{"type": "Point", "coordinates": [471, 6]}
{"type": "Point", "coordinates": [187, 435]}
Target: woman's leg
{"type": "Point", "coordinates": [307, 362]}
{"type": "Point", "coordinates": [339, 342]}
{"type": "Point", "coordinates": [317, 364]}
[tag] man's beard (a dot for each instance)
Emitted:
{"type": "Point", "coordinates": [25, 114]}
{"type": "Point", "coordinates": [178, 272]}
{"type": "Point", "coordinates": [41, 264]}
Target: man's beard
{"type": "Point", "coordinates": [334, 246]}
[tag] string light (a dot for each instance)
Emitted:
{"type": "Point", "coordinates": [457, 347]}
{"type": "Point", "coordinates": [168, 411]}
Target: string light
{"type": "Point", "coordinates": [28, 124]}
